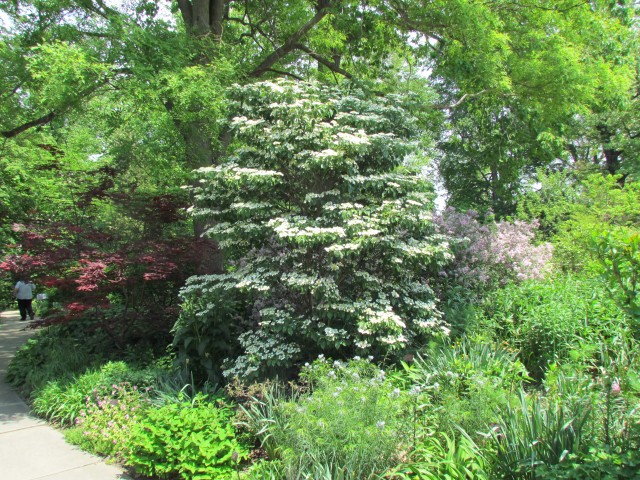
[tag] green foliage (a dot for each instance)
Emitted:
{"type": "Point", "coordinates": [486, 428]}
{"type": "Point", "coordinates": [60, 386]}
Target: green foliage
{"type": "Point", "coordinates": [594, 465]}
{"type": "Point", "coordinates": [326, 230]}
{"type": "Point", "coordinates": [581, 425]}
{"type": "Point", "coordinates": [468, 382]}
{"type": "Point", "coordinates": [194, 440]}
{"type": "Point", "coordinates": [572, 208]}
{"type": "Point", "coordinates": [63, 401]}
{"type": "Point", "coordinates": [536, 432]}
{"type": "Point", "coordinates": [53, 354]}
{"type": "Point", "coordinates": [61, 72]}
{"type": "Point", "coordinates": [546, 321]}
{"type": "Point", "coordinates": [105, 426]}
{"type": "Point", "coordinates": [64, 353]}
{"type": "Point", "coordinates": [351, 424]}
{"type": "Point", "coordinates": [441, 456]}
{"type": "Point", "coordinates": [620, 258]}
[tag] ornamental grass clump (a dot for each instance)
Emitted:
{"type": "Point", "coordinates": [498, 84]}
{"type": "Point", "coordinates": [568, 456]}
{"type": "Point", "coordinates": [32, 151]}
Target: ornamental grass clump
{"type": "Point", "coordinates": [468, 382]}
{"type": "Point", "coordinates": [352, 423]}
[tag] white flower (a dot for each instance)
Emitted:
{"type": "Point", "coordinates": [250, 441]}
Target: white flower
{"type": "Point", "coordinates": [329, 152]}
{"type": "Point", "coordinates": [360, 139]}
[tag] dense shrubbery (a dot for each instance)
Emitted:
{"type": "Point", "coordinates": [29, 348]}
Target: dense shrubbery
{"type": "Point", "coordinates": [351, 423]}
{"type": "Point", "coordinates": [554, 320]}
{"type": "Point", "coordinates": [327, 230]}
{"type": "Point", "coordinates": [187, 440]}
{"type": "Point", "coordinates": [488, 254]}
{"type": "Point", "coordinates": [331, 250]}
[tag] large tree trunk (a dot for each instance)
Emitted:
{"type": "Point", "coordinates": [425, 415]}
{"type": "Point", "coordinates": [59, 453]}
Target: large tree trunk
{"type": "Point", "coordinates": [206, 17]}
{"type": "Point", "coordinates": [612, 156]}
{"type": "Point", "coordinates": [202, 18]}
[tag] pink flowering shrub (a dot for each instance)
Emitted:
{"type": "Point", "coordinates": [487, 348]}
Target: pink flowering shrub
{"type": "Point", "coordinates": [492, 254]}
{"type": "Point", "coordinates": [107, 420]}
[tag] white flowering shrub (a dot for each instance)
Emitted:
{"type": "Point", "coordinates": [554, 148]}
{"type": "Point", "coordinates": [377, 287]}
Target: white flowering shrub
{"type": "Point", "coordinates": [326, 229]}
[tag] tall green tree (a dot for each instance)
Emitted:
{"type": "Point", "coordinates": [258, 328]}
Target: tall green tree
{"type": "Point", "coordinates": [502, 85]}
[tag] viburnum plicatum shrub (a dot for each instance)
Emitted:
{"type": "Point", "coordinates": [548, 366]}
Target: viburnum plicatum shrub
{"type": "Point", "coordinates": [494, 253]}
{"type": "Point", "coordinates": [326, 230]}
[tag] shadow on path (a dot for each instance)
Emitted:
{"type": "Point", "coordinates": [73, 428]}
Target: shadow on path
{"type": "Point", "coordinates": [29, 448]}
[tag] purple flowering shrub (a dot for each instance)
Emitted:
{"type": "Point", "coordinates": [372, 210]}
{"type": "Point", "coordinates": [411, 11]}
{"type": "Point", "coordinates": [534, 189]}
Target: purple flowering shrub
{"type": "Point", "coordinates": [492, 254]}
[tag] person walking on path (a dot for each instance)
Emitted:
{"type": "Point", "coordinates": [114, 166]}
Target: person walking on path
{"type": "Point", "coordinates": [24, 293]}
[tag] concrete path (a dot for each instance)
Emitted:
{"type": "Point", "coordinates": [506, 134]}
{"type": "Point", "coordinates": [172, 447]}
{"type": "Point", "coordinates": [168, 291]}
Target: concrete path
{"type": "Point", "coordinates": [29, 448]}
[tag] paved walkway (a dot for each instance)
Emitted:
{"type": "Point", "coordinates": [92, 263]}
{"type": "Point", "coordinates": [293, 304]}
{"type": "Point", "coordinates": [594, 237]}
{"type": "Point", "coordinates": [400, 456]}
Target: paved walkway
{"type": "Point", "coordinates": [29, 448]}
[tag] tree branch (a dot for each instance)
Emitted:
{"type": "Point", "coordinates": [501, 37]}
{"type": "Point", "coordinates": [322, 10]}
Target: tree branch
{"type": "Point", "coordinates": [287, 74]}
{"type": "Point", "coordinates": [26, 126]}
{"type": "Point", "coordinates": [464, 98]}
{"type": "Point", "coordinates": [288, 45]}
{"type": "Point", "coordinates": [327, 63]}
{"type": "Point", "coordinates": [54, 113]}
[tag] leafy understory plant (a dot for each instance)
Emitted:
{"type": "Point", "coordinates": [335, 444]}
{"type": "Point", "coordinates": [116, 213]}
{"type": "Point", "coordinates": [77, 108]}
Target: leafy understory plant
{"type": "Point", "coordinates": [327, 231]}
{"type": "Point", "coordinates": [105, 425]}
{"type": "Point", "coordinates": [65, 401]}
{"type": "Point", "coordinates": [352, 423]}
{"type": "Point", "coordinates": [619, 255]}
{"type": "Point", "coordinates": [442, 456]}
{"type": "Point", "coordinates": [187, 440]}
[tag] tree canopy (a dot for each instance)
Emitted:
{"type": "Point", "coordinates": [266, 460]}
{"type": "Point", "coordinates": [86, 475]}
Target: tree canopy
{"type": "Point", "coordinates": [107, 108]}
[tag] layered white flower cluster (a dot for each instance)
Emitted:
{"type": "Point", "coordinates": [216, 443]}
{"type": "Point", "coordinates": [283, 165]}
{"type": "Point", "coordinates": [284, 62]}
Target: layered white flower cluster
{"type": "Point", "coordinates": [327, 240]}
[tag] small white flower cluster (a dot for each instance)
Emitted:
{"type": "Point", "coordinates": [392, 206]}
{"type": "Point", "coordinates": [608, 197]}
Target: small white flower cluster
{"type": "Point", "coordinates": [334, 334]}
{"type": "Point", "coordinates": [318, 196]}
{"type": "Point", "coordinates": [329, 207]}
{"type": "Point", "coordinates": [253, 282]}
{"type": "Point", "coordinates": [383, 317]}
{"type": "Point", "coordinates": [369, 232]}
{"type": "Point", "coordinates": [359, 139]}
{"type": "Point", "coordinates": [284, 229]}
{"type": "Point", "coordinates": [341, 247]}
{"type": "Point", "coordinates": [393, 339]}
{"type": "Point", "coordinates": [327, 152]}
{"type": "Point", "coordinates": [232, 171]}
